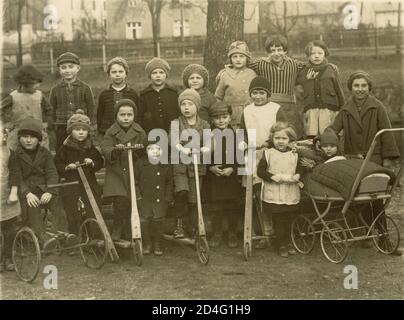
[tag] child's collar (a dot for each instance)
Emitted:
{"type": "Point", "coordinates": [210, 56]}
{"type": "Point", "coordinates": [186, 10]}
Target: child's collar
{"type": "Point", "coordinates": [159, 88]}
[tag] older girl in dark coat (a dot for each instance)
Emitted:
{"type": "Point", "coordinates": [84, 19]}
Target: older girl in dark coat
{"type": "Point", "coordinates": [223, 188]}
{"type": "Point", "coordinates": [78, 147]}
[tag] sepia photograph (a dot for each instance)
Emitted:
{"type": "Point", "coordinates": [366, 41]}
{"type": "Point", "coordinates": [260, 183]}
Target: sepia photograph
{"type": "Point", "coordinates": [202, 150]}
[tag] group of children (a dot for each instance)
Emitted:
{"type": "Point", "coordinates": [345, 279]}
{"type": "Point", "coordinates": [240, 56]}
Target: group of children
{"type": "Point", "coordinates": [254, 95]}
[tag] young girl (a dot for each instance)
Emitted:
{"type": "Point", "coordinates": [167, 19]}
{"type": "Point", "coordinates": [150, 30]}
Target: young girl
{"type": "Point", "coordinates": [78, 147]}
{"type": "Point", "coordinates": [154, 191]}
{"type": "Point", "coordinates": [223, 188]}
{"type": "Point", "coordinates": [117, 183]}
{"type": "Point", "coordinates": [233, 81]}
{"type": "Point", "coordinates": [280, 191]}
{"type": "Point", "coordinates": [188, 125]}
{"type": "Point", "coordinates": [196, 76]}
{"type": "Point", "coordinates": [323, 96]}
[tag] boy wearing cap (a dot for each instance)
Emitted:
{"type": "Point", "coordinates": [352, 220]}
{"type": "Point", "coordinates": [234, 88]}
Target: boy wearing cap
{"type": "Point", "coordinates": [158, 103]}
{"type": "Point", "coordinates": [281, 72]}
{"type": "Point", "coordinates": [117, 183]}
{"type": "Point", "coordinates": [117, 70]}
{"type": "Point", "coordinates": [323, 96]}
{"type": "Point", "coordinates": [196, 76]}
{"type": "Point", "coordinates": [223, 189]}
{"type": "Point", "coordinates": [154, 190]}
{"type": "Point", "coordinates": [69, 95]}
{"type": "Point", "coordinates": [233, 81]}
{"type": "Point", "coordinates": [34, 164]}
{"type": "Point", "coordinates": [78, 147]}
{"type": "Point", "coordinates": [186, 134]}
{"type": "Point", "coordinates": [26, 101]}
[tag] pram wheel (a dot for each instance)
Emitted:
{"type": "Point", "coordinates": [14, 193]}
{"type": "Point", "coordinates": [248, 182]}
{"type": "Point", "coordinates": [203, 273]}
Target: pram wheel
{"type": "Point", "coordinates": [247, 251]}
{"type": "Point", "coordinates": [92, 244]}
{"type": "Point", "coordinates": [386, 234]}
{"type": "Point", "coordinates": [303, 234]}
{"type": "Point", "coordinates": [26, 254]}
{"type": "Point", "coordinates": [202, 248]}
{"type": "Point", "coordinates": [334, 242]}
{"type": "Point", "coordinates": [138, 251]}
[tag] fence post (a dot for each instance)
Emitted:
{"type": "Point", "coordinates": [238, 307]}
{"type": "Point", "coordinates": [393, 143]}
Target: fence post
{"type": "Point", "coordinates": [104, 57]}
{"type": "Point", "coordinates": [158, 48]}
{"type": "Point", "coordinates": [51, 59]}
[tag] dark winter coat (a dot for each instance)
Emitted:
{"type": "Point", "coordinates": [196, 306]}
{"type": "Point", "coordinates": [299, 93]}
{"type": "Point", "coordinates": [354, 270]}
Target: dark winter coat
{"type": "Point", "coordinates": [158, 108]}
{"type": "Point", "coordinates": [360, 129]}
{"type": "Point", "coordinates": [154, 188]}
{"type": "Point", "coordinates": [117, 181]}
{"type": "Point", "coordinates": [37, 173]}
{"type": "Point", "coordinates": [71, 152]}
{"type": "Point", "coordinates": [207, 100]}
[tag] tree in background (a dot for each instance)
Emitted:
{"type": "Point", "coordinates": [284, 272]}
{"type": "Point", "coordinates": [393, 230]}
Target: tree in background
{"type": "Point", "coordinates": [225, 24]}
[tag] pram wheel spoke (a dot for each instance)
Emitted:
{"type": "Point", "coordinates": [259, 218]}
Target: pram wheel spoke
{"type": "Point", "coordinates": [26, 254]}
{"type": "Point", "coordinates": [334, 243]}
{"type": "Point", "coordinates": [202, 248]}
{"type": "Point", "coordinates": [386, 236]}
{"type": "Point", "coordinates": [92, 244]}
{"type": "Point", "coordinates": [138, 251]}
{"type": "Point", "coordinates": [303, 235]}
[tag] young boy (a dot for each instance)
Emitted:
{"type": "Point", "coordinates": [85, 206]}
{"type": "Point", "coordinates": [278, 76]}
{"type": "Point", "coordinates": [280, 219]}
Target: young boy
{"type": "Point", "coordinates": [181, 130]}
{"type": "Point", "coordinates": [196, 76]}
{"type": "Point", "coordinates": [69, 95]}
{"type": "Point", "coordinates": [35, 165]}
{"type": "Point", "coordinates": [154, 191]}
{"type": "Point", "coordinates": [78, 147]}
{"type": "Point", "coordinates": [26, 101]}
{"type": "Point", "coordinates": [117, 183]}
{"type": "Point", "coordinates": [222, 187]}
{"type": "Point", "coordinates": [117, 70]}
{"type": "Point", "coordinates": [158, 103]}
{"type": "Point", "coordinates": [233, 81]}
{"type": "Point", "coordinates": [322, 89]}
{"type": "Point", "coordinates": [281, 72]}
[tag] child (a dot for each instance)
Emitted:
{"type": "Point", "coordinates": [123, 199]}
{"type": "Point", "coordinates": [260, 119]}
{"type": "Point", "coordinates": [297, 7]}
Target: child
{"type": "Point", "coordinates": [117, 70]}
{"type": "Point", "coordinates": [281, 72]}
{"type": "Point", "coordinates": [69, 95]}
{"type": "Point", "coordinates": [78, 147]}
{"type": "Point", "coordinates": [196, 76]}
{"type": "Point", "coordinates": [35, 165]}
{"type": "Point", "coordinates": [223, 188]}
{"type": "Point", "coordinates": [233, 81]}
{"type": "Point", "coordinates": [27, 101]}
{"type": "Point", "coordinates": [280, 191]}
{"type": "Point", "coordinates": [117, 183]}
{"type": "Point", "coordinates": [154, 191]}
{"type": "Point", "coordinates": [10, 208]}
{"type": "Point", "coordinates": [184, 176]}
{"type": "Point", "coordinates": [322, 89]}
{"type": "Point", "coordinates": [158, 103]}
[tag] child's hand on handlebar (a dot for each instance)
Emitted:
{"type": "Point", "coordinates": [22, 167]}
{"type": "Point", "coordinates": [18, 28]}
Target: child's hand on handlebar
{"type": "Point", "coordinates": [71, 166]}
{"type": "Point", "coordinates": [205, 149]}
{"type": "Point", "coordinates": [120, 147]}
{"type": "Point", "coordinates": [89, 162]}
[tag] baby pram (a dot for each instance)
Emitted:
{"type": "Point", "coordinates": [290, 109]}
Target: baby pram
{"type": "Point", "coordinates": [339, 220]}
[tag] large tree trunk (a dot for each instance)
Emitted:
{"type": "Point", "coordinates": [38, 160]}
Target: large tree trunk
{"type": "Point", "coordinates": [225, 24]}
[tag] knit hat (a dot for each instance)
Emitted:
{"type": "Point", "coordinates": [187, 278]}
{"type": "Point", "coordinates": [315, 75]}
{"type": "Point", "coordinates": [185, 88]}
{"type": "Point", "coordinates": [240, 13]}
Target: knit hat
{"type": "Point", "coordinates": [28, 74]}
{"type": "Point", "coordinates": [328, 137]}
{"type": "Point", "coordinates": [239, 47]}
{"type": "Point", "coordinates": [30, 126]}
{"type": "Point", "coordinates": [360, 74]}
{"type": "Point", "coordinates": [157, 63]}
{"type": "Point", "coordinates": [118, 60]}
{"type": "Point", "coordinates": [79, 119]}
{"type": "Point", "coordinates": [195, 68]}
{"type": "Point", "coordinates": [219, 108]}
{"type": "Point", "coordinates": [316, 43]}
{"type": "Point", "coordinates": [68, 57]}
{"type": "Point", "coordinates": [190, 94]}
{"type": "Point", "coordinates": [126, 103]}
{"type": "Point", "coordinates": [260, 83]}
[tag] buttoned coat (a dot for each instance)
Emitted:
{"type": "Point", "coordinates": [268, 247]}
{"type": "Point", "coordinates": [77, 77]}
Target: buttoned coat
{"type": "Point", "coordinates": [154, 188]}
{"type": "Point", "coordinates": [360, 129]}
{"type": "Point", "coordinates": [117, 181]}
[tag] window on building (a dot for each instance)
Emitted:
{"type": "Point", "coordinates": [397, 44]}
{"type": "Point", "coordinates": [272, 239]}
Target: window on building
{"type": "Point", "coordinates": [105, 25]}
{"type": "Point", "coordinates": [94, 5]}
{"type": "Point", "coordinates": [82, 4]}
{"type": "Point", "coordinates": [177, 28]}
{"type": "Point", "coordinates": [72, 4]}
{"type": "Point", "coordinates": [131, 3]}
{"type": "Point", "coordinates": [134, 30]}
{"type": "Point", "coordinates": [105, 5]}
